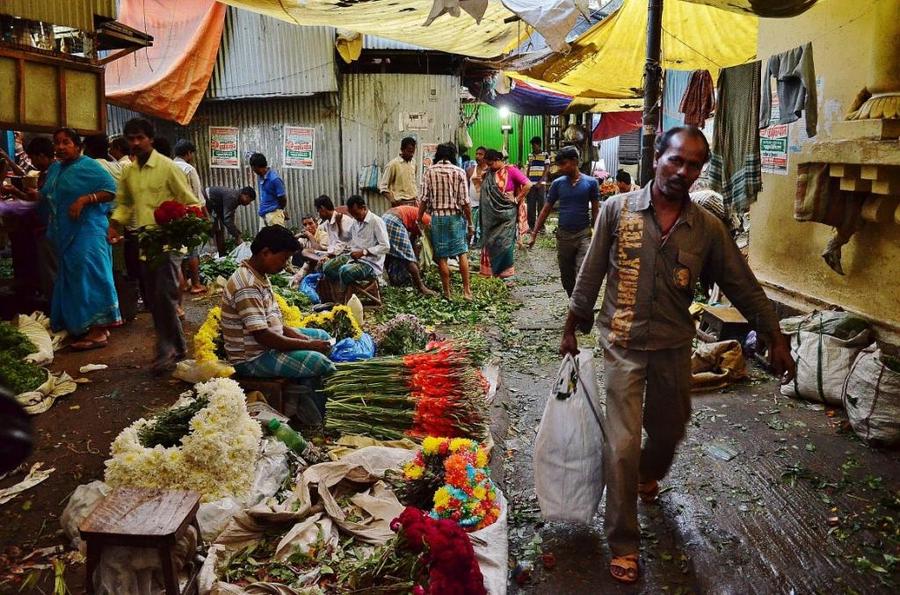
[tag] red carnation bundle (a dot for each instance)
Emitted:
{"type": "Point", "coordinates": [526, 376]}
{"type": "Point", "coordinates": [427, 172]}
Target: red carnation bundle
{"type": "Point", "coordinates": [178, 227]}
{"type": "Point", "coordinates": [445, 550]}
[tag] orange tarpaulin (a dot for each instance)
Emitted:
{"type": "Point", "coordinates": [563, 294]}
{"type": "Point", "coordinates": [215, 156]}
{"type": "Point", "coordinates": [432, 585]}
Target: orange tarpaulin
{"type": "Point", "coordinates": [168, 79]}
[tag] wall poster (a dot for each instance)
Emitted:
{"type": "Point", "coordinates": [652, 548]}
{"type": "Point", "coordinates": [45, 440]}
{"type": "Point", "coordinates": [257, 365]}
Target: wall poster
{"type": "Point", "coordinates": [299, 147]}
{"type": "Point", "coordinates": [223, 147]}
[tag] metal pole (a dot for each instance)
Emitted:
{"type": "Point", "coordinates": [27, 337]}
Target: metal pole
{"type": "Point", "coordinates": [652, 79]}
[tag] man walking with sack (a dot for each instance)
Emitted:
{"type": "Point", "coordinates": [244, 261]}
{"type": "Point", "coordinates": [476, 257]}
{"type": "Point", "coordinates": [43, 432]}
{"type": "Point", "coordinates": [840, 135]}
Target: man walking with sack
{"type": "Point", "coordinates": [650, 245]}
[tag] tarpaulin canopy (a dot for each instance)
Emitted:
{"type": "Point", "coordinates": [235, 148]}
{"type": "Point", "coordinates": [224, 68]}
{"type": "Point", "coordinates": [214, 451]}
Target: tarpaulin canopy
{"type": "Point", "coordinates": [606, 64]}
{"type": "Point", "coordinates": [403, 20]}
{"type": "Point", "coordinates": [613, 124]}
{"type": "Point", "coordinates": [764, 8]}
{"type": "Point", "coordinates": [530, 100]}
{"type": "Point", "coordinates": [168, 79]}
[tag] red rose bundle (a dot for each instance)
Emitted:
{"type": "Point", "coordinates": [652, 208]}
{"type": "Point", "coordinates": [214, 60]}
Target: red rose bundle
{"type": "Point", "coordinates": [178, 227]}
{"type": "Point", "coordinates": [446, 552]}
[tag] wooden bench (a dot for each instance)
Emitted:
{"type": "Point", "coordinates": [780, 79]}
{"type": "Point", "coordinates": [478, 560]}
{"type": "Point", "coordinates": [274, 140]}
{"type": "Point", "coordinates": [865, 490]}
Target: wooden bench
{"type": "Point", "coordinates": [721, 323]}
{"type": "Point", "coordinates": [368, 290]}
{"type": "Point", "coordinates": [142, 518]}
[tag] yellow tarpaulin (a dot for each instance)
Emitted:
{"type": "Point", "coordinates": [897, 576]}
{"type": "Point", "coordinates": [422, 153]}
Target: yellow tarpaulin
{"type": "Point", "coordinates": [402, 20]}
{"type": "Point", "coordinates": [607, 62]}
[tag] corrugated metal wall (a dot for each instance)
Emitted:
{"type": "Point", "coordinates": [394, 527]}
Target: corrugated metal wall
{"type": "Point", "coordinates": [71, 13]}
{"type": "Point", "coordinates": [117, 116]}
{"type": "Point", "coordinates": [294, 60]}
{"type": "Point", "coordinates": [372, 42]}
{"type": "Point", "coordinates": [486, 131]}
{"type": "Point", "coordinates": [261, 124]}
{"type": "Point", "coordinates": [370, 117]}
{"type": "Point", "coordinates": [609, 152]}
{"type": "Point", "coordinates": [630, 148]}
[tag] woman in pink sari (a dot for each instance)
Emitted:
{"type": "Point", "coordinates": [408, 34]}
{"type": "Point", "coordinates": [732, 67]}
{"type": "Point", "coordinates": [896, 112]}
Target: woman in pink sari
{"type": "Point", "coordinates": [502, 211]}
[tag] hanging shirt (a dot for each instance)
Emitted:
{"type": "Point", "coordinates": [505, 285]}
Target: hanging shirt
{"type": "Point", "coordinates": [795, 77]}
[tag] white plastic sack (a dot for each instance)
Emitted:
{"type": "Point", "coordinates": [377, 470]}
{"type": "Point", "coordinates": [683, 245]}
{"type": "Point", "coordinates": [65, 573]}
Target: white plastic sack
{"type": "Point", "coordinates": [823, 363]}
{"type": "Point", "coordinates": [568, 464]}
{"type": "Point", "coordinates": [241, 252]}
{"type": "Point", "coordinates": [81, 503]}
{"type": "Point", "coordinates": [37, 329]}
{"type": "Point", "coordinates": [871, 396]}
{"type": "Point", "coordinates": [491, 546]}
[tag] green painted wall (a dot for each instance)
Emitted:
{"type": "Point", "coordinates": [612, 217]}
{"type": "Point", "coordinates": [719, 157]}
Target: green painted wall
{"type": "Point", "coordinates": [486, 131]}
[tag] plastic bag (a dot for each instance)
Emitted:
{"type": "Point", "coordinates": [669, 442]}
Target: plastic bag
{"type": "Point", "coordinates": [568, 464]}
{"type": "Point", "coordinates": [871, 395]}
{"type": "Point", "coordinates": [353, 350]}
{"type": "Point", "coordinates": [309, 287]}
{"type": "Point", "coordinates": [369, 176]}
{"type": "Point", "coordinates": [193, 371]}
{"type": "Point", "coordinates": [241, 252]}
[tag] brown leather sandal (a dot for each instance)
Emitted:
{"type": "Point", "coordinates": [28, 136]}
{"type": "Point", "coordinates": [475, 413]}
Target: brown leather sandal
{"type": "Point", "coordinates": [648, 491]}
{"type": "Point", "coordinates": [625, 569]}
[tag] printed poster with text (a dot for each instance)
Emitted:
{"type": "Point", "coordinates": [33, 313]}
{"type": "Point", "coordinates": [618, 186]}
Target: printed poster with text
{"type": "Point", "coordinates": [428, 151]}
{"type": "Point", "coordinates": [299, 147]}
{"type": "Point", "coordinates": [223, 147]}
{"type": "Point", "coordinates": [773, 142]}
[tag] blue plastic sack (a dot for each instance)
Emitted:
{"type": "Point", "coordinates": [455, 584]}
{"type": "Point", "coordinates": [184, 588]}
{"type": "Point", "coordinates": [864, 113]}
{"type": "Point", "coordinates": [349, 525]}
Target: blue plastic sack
{"type": "Point", "coordinates": [353, 350]}
{"type": "Point", "coordinates": [309, 287]}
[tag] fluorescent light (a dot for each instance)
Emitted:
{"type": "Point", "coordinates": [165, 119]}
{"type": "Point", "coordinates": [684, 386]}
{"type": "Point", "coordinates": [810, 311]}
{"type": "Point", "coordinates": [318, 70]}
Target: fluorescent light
{"type": "Point", "coordinates": [504, 111]}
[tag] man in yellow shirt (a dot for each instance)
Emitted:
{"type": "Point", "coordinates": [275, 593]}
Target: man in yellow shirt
{"type": "Point", "coordinates": [398, 182]}
{"type": "Point", "coordinates": [151, 180]}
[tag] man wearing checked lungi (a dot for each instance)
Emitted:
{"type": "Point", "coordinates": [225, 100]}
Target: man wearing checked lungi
{"type": "Point", "coordinates": [402, 262]}
{"type": "Point", "coordinates": [445, 194]}
{"type": "Point", "coordinates": [256, 341]}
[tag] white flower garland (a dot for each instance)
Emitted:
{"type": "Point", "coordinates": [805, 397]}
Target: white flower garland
{"type": "Point", "coordinates": [216, 458]}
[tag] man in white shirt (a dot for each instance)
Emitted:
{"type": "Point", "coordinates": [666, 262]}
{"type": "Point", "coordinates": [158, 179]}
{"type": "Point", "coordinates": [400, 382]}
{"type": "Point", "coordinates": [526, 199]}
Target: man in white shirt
{"type": "Point", "coordinates": [336, 224]}
{"type": "Point", "coordinates": [184, 159]}
{"type": "Point", "coordinates": [369, 245]}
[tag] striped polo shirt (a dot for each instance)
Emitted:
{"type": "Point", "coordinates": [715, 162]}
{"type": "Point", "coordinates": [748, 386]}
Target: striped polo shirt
{"type": "Point", "coordinates": [248, 305]}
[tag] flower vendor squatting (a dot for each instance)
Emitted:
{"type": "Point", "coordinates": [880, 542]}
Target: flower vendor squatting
{"type": "Point", "coordinates": [257, 341]}
{"type": "Point", "coordinates": [651, 245]}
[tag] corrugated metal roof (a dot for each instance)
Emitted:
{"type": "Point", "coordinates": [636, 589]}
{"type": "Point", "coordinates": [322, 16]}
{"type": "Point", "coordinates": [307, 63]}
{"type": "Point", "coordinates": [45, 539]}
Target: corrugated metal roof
{"type": "Point", "coordinates": [264, 57]}
{"type": "Point", "coordinates": [71, 13]}
{"type": "Point", "coordinates": [373, 42]}
{"type": "Point", "coordinates": [371, 105]}
{"type": "Point", "coordinates": [261, 125]}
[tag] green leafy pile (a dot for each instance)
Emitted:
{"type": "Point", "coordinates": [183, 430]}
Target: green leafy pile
{"type": "Point", "coordinates": [491, 302]}
{"type": "Point", "coordinates": [401, 335]}
{"type": "Point", "coordinates": [170, 426]}
{"type": "Point", "coordinates": [292, 296]}
{"type": "Point", "coordinates": [15, 374]}
{"type": "Point", "coordinates": [211, 269]}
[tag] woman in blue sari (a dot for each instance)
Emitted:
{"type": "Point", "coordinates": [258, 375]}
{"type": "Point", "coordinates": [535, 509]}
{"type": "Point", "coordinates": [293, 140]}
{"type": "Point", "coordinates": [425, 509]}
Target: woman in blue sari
{"type": "Point", "coordinates": [78, 194]}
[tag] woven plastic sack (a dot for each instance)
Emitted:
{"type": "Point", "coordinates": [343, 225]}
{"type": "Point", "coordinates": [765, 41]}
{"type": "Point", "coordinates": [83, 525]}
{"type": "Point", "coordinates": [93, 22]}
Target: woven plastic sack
{"type": "Point", "coordinates": [568, 464]}
{"type": "Point", "coordinates": [871, 396]}
{"type": "Point", "coordinates": [824, 345]}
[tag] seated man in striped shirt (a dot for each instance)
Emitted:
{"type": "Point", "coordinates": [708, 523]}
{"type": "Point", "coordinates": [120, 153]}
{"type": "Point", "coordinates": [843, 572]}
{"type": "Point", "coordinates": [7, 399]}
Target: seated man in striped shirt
{"type": "Point", "coordinates": [256, 341]}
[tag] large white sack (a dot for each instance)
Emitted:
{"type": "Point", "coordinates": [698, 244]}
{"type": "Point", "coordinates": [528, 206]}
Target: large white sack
{"type": "Point", "coordinates": [568, 464]}
{"type": "Point", "coordinates": [872, 399]}
{"type": "Point", "coordinates": [823, 363]}
{"type": "Point", "coordinates": [491, 546]}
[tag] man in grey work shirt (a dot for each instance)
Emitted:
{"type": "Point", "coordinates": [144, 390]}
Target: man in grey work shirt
{"type": "Point", "coordinates": [651, 246]}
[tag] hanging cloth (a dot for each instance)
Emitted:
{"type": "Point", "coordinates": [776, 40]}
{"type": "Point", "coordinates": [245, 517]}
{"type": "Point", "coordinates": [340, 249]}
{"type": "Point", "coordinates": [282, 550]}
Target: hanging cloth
{"type": "Point", "coordinates": [674, 88]}
{"type": "Point", "coordinates": [699, 99]}
{"type": "Point", "coordinates": [795, 77]}
{"type": "Point", "coordinates": [735, 168]}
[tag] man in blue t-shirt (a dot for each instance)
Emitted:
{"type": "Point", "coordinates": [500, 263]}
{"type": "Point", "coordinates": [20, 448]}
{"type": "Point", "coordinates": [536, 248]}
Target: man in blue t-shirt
{"type": "Point", "coordinates": [272, 196]}
{"type": "Point", "coordinates": [575, 192]}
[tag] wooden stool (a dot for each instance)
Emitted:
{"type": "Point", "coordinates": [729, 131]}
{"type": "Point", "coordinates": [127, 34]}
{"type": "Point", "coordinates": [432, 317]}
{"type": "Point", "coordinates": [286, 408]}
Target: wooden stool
{"type": "Point", "coordinates": [272, 388]}
{"type": "Point", "coordinates": [368, 290]}
{"type": "Point", "coordinates": [721, 323]}
{"type": "Point", "coordinates": [142, 518]}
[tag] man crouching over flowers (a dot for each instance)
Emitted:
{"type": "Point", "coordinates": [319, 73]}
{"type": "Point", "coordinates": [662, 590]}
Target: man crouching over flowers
{"type": "Point", "coordinates": [256, 341]}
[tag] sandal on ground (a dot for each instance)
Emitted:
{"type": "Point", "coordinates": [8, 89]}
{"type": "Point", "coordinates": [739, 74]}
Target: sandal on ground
{"type": "Point", "coordinates": [648, 491]}
{"type": "Point", "coordinates": [87, 345]}
{"type": "Point", "coordinates": [625, 569]}
{"type": "Point", "coordinates": [197, 290]}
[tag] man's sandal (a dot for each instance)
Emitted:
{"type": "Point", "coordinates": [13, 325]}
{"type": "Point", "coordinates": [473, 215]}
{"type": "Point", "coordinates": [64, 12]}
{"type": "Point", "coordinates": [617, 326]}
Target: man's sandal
{"type": "Point", "coordinates": [625, 569]}
{"type": "Point", "coordinates": [648, 491]}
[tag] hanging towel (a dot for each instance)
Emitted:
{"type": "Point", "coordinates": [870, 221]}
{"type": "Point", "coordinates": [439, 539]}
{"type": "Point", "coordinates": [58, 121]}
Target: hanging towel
{"type": "Point", "coordinates": [795, 77]}
{"type": "Point", "coordinates": [819, 199]}
{"type": "Point", "coordinates": [734, 169]}
{"type": "Point", "coordinates": [699, 99]}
